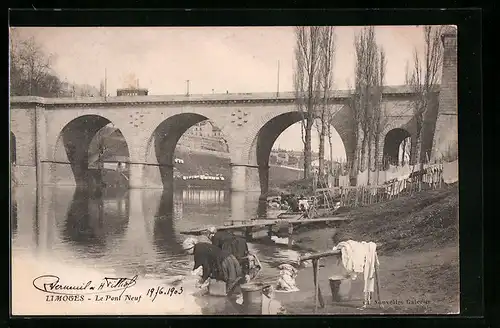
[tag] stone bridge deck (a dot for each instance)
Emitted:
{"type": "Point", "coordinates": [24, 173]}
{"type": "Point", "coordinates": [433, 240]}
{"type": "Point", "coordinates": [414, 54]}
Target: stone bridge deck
{"type": "Point", "coordinates": [340, 95]}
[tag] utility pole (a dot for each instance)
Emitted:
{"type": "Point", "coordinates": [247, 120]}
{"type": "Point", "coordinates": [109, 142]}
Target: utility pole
{"type": "Point", "coordinates": [187, 85]}
{"type": "Point", "coordinates": [105, 83]}
{"type": "Point", "coordinates": [278, 87]}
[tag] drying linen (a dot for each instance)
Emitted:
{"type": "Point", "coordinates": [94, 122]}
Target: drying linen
{"type": "Point", "coordinates": [369, 269]}
{"type": "Point", "coordinates": [344, 181]}
{"type": "Point", "coordinates": [286, 281]}
{"type": "Point", "coordinates": [450, 172]}
{"type": "Point", "coordinates": [359, 257]}
{"type": "Point", "coordinates": [362, 178]}
{"type": "Point", "coordinates": [382, 178]}
{"type": "Point", "coordinates": [353, 256]}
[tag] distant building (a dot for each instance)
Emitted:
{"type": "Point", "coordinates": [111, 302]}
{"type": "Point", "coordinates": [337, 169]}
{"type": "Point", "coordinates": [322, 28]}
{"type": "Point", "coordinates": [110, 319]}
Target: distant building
{"type": "Point", "coordinates": [204, 135]}
{"type": "Point", "coordinates": [132, 92]}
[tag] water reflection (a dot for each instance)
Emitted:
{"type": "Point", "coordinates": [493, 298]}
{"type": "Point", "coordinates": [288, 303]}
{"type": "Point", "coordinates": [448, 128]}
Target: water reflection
{"type": "Point", "coordinates": [200, 197]}
{"type": "Point", "coordinates": [165, 237]}
{"type": "Point", "coordinates": [127, 231]}
{"type": "Point", "coordinates": [93, 220]}
{"type": "Point", "coordinates": [23, 208]}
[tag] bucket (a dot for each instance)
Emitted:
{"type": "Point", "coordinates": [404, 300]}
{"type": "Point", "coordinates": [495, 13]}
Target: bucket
{"type": "Point", "coordinates": [252, 297]}
{"type": "Point", "coordinates": [341, 288]}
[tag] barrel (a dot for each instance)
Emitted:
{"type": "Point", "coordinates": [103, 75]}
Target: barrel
{"type": "Point", "coordinates": [341, 288]}
{"type": "Point", "coordinates": [252, 297]}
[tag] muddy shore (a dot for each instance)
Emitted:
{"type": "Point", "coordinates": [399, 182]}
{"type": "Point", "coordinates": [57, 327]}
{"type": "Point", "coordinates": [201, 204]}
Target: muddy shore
{"type": "Point", "coordinates": [418, 254]}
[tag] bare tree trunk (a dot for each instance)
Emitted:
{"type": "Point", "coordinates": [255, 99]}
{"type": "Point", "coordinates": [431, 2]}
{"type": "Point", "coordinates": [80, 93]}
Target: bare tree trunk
{"type": "Point", "coordinates": [307, 149]}
{"type": "Point", "coordinates": [423, 80]}
{"type": "Point", "coordinates": [403, 152]}
{"type": "Point", "coordinates": [305, 82]}
{"type": "Point", "coordinates": [329, 131]}
{"type": "Point", "coordinates": [321, 153]}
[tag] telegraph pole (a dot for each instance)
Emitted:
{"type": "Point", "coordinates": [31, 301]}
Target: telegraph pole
{"type": "Point", "coordinates": [187, 85]}
{"type": "Point", "coordinates": [278, 78]}
{"type": "Point", "coordinates": [105, 83]}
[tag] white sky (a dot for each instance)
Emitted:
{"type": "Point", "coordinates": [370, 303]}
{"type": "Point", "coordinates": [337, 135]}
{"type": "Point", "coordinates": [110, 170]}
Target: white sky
{"type": "Point", "coordinates": [236, 59]}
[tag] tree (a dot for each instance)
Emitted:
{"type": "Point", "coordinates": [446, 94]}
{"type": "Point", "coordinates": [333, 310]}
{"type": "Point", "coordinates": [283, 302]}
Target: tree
{"type": "Point", "coordinates": [31, 69]}
{"type": "Point", "coordinates": [325, 80]}
{"type": "Point", "coordinates": [366, 98]}
{"type": "Point", "coordinates": [423, 79]}
{"type": "Point", "coordinates": [380, 118]}
{"type": "Point", "coordinates": [306, 82]}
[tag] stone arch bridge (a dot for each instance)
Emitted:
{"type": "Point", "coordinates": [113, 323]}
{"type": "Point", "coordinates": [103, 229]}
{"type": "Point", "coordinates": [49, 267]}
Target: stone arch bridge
{"type": "Point", "coordinates": [53, 136]}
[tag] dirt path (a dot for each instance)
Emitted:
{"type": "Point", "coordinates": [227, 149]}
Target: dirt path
{"type": "Point", "coordinates": [410, 283]}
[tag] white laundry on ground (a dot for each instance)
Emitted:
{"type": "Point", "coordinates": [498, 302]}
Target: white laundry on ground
{"type": "Point", "coordinates": [286, 281]}
{"type": "Point", "coordinates": [360, 257]}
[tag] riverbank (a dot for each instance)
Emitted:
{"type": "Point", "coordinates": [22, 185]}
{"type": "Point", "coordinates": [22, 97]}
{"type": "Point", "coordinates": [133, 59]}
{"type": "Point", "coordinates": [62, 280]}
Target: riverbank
{"type": "Point", "coordinates": [417, 240]}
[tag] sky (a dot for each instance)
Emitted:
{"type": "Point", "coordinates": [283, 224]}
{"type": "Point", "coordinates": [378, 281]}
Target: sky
{"type": "Point", "coordinates": [213, 59]}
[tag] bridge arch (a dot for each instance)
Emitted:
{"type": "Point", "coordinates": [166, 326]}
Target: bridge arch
{"type": "Point", "coordinates": [392, 143]}
{"type": "Point", "coordinates": [80, 144]}
{"type": "Point", "coordinates": [161, 145]}
{"type": "Point", "coordinates": [267, 134]}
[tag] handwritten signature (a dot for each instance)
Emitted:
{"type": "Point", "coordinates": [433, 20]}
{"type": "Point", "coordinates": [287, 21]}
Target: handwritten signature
{"type": "Point", "coordinates": [51, 284]}
{"type": "Point", "coordinates": [159, 290]}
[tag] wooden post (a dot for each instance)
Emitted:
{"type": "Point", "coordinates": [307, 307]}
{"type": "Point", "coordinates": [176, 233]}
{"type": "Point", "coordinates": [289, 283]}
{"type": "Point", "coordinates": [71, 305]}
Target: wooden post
{"type": "Point", "coordinates": [316, 285]}
{"type": "Point", "coordinates": [290, 234]}
{"type": "Point", "coordinates": [318, 298]}
{"type": "Point", "coordinates": [248, 233]}
{"type": "Point", "coordinates": [377, 282]}
{"type": "Point", "coordinates": [270, 231]}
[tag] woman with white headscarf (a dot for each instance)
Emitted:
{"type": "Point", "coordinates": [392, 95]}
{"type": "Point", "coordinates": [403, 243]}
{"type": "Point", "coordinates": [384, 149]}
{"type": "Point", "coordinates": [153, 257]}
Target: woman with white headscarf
{"type": "Point", "coordinates": [217, 263]}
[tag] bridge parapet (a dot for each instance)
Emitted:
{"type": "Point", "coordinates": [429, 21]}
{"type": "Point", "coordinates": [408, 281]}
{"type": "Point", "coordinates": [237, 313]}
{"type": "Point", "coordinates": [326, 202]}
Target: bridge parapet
{"type": "Point", "coordinates": [205, 99]}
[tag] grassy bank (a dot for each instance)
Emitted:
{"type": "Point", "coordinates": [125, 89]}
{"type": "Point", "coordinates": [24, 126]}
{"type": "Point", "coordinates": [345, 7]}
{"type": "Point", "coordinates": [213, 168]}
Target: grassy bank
{"type": "Point", "coordinates": [418, 251]}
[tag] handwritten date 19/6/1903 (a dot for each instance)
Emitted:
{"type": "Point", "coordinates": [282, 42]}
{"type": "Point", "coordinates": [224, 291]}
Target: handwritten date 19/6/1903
{"type": "Point", "coordinates": [159, 290]}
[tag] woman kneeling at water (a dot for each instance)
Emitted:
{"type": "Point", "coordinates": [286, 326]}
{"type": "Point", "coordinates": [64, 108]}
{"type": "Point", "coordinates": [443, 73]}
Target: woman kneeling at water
{"type": "Point", "coordinates": [217, 263]}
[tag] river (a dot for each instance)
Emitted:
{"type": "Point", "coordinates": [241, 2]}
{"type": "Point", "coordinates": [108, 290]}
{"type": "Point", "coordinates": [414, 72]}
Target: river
{"type": "Point", "coordinates": [132, 232]}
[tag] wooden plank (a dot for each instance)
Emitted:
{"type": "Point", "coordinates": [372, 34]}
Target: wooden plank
{"type": "Point", "coordinates": [263, 223]}
{"type": "Point", "coordinates": [319, 255]}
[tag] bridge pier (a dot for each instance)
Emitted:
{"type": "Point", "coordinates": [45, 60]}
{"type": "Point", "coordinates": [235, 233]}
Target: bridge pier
{"type": "Point", "coordinates": [136, 175]}
{"type": "Point", "coordinates": [445, 141]}
{"type": "Point", "coordinates": [245, 177]}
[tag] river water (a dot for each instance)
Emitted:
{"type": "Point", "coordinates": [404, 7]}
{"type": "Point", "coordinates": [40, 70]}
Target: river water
{"type": "Point", "coordinates": [132, 232]}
